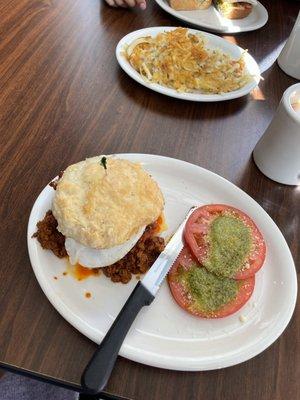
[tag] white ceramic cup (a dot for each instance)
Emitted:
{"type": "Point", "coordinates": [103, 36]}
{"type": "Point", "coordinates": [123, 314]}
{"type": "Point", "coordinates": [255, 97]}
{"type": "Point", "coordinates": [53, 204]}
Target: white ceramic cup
{"type": "Point", "coordinates": [289, 58]}
{"type": "Point", "coordinates": [277, 154]}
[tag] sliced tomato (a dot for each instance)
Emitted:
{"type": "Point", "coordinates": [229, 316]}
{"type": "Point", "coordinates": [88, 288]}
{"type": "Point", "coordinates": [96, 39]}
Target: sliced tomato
{"type": "Point", "coordinates": [198, 227]}
{"type": "Point", "coordinates": [184, 297]}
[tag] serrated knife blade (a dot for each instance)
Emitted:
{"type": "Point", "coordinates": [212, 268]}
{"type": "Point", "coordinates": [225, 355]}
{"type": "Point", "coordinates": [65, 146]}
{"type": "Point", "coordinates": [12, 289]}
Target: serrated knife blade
{"type": "Point", "coordinates": [156, 274]}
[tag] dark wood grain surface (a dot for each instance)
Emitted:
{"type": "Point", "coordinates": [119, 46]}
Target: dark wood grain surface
{"type": "Point", "coordinates": [63, 98]}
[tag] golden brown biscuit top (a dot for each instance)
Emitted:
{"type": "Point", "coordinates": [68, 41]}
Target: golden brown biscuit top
{"type": "Point", "coordinates": [102, 208]}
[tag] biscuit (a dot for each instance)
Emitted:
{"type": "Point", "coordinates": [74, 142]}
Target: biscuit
{"type": "Point", "coordinates": [102, 208]}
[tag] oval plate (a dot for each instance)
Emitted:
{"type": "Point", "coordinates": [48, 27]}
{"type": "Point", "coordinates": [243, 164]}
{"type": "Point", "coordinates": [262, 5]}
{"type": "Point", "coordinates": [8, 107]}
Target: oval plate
{"type": "Point", "coordinates": [163, 335]}
{"type": "Point", "coordinates": [213, 42]}
{"type": "Point", "coordinates": [210, 19]}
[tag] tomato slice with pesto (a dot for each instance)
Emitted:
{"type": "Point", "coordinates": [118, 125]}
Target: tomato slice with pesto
{"type": "Point", "coordinates": [225, 241]}
{"type": "Point", "coordinates": [204, 294]}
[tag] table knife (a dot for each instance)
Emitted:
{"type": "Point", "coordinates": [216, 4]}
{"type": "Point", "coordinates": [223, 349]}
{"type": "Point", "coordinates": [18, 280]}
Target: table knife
{"type": "Point", "coordinates": [99, 368]}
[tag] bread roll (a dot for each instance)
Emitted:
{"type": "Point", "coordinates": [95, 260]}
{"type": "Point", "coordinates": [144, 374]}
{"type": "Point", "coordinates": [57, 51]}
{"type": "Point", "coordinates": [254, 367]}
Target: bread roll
{"type": "Point", "coordinates": [189, 5]}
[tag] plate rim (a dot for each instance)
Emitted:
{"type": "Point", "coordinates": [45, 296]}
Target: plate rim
{"type": "Point", "coordinates": [196, 97]}
{"type": "Point", "coordinates": [174, 13]}
{"type": "Point", "coordinates": [160, 361]}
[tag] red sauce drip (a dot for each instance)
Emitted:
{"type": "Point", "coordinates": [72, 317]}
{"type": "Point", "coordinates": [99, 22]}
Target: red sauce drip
{"type": "Point", "coordinates": [160, 224]}
{"type": "Point", "coordinates": [81, 272]}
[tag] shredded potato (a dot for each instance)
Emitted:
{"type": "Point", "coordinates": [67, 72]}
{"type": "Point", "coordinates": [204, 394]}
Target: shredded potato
{"type": "Point", "coordinates": [181, 61]}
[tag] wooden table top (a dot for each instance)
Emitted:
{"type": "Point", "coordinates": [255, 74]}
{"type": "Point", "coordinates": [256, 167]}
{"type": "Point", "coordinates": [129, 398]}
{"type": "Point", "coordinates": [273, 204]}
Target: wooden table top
{"type": "Point", "coordinates": [63, 97]}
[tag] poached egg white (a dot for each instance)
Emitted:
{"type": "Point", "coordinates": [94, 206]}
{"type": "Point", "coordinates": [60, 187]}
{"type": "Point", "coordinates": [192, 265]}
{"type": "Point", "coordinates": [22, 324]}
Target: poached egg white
{"type": "Point", "coordinates": [97, 258]}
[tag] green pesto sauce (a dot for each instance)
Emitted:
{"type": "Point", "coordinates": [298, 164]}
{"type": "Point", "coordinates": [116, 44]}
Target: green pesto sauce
{"type": "Point", "coordinates": [209, 292]}
{"type": "Point", "coordinates": [229, 242]}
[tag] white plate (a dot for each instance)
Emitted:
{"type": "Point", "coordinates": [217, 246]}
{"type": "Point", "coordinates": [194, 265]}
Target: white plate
{"type": "Point", "coordinates": [164, 335]}
{"type": "Point", "coordinates": [212, 20]}
{"type": "Point", "coordinates": [213, 42]}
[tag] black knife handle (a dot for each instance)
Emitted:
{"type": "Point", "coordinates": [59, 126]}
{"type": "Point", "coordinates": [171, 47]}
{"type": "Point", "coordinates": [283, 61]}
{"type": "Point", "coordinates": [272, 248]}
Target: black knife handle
{"type": "Point", "coordinates": [99, 368]}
